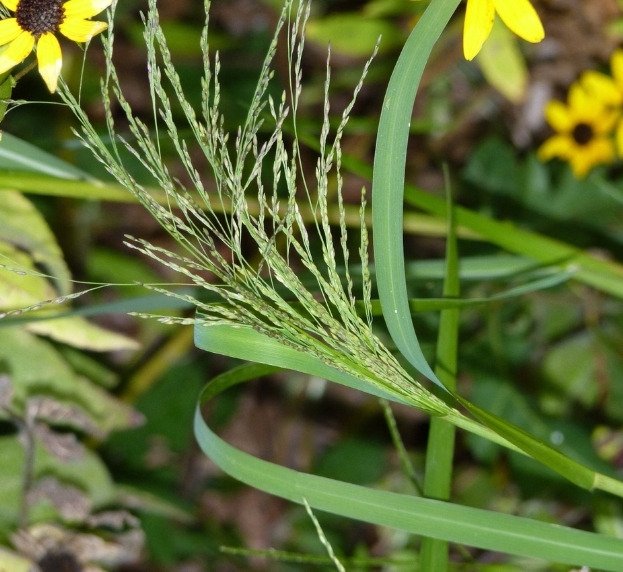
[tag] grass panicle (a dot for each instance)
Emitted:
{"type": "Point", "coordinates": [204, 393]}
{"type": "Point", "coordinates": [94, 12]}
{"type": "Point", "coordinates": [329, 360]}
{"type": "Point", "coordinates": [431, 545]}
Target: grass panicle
{"type": "Point", "coordinates": [266, 294]}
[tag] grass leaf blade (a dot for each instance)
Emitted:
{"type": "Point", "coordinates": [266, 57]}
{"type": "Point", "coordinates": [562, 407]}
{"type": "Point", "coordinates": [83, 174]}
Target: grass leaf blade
{"type": "Point", "coordinates": [388, 180]}
{"type": "Point", "coordinates": [438, 519]}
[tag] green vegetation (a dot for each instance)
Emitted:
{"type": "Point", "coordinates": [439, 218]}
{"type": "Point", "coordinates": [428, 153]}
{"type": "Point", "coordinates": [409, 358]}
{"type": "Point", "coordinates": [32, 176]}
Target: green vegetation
{"type": "Point", "coordinates": [252, 267]}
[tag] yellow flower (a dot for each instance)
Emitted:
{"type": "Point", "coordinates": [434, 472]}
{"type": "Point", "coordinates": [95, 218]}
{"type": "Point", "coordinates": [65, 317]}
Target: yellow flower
{"type": "Point", "coordinates": [518, 15]}
{"type": "Point", "coordinates": [36, 22]}
{"type": "Point", "coordinates": [609, 90]}
{"type": "Point", "coordinates": [584, 128]}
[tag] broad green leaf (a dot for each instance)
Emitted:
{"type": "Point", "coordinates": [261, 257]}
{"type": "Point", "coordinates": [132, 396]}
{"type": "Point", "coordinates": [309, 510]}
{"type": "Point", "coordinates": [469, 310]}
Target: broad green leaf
{"type": "Point", "coordinates": [23, 227]}
{"type": "Point", "coordinates": [574, 365]}
{"type": "Point", "coordinates": [503, 64]}
{"type": "Point", "coordinates": [36, 369]}
{"type": "Point", "coordinates": [79, 333]}
{"type": "Point", "coordinates": [21, 285]}
{"type": "Point", "coordinates": [11, 468]}
{"type": "Point", "coordinates": [87, 473]}
{"type": "Point", "coordinates": [26, 245]}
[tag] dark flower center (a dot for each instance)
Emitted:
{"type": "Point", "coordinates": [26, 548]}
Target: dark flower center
{"type": "Point", "coordinates": [582, 133]}
{"type": "Point", "coordinates": [61, 561]}
{"type": "Point", "coordinates": [40, 16]}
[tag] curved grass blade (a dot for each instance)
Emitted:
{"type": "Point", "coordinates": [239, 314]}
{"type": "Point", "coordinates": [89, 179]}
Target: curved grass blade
{"type": "Point", "coordinates": [389, 178]}
{"type": "Point", "coordinates": [437, 519]}
{"type": "Point", "coordinates": [247, 344]}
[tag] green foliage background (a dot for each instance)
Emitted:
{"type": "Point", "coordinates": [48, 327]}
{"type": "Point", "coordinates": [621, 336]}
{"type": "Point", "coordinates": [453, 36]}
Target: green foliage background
{"type": "Point", "coordinates": [539, 333]}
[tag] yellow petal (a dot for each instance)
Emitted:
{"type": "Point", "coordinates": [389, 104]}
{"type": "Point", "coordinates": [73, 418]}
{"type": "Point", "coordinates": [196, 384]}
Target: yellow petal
{"type": "Point", "coordinates": [50, 59]}
{"type": "Point", "coordinates": [556, 146]}
{"type": "Point", "coordinates": [521, 18]}
{"type": "Point", "coordinates": [601, 87]}
{"type": "Point", "coordinates": [618, 134]}
{"type": "Point", "coordinates": [82, 9]}
{"type": "Point", "coordinates": [478, 23]}
{"type": "Point", "coordinates": [582, 105]}
{"type": "Point", "coordinates": [10, 4]}
{"type": "Point", "coordinates": [81, 30]}
{"type": "Point", "coordinates": [16, 51]}
{"type": "Point", "coordinates": [616, 65]}
{"type": "Point", "coordinates": [9, 30]}
{"type": "Point", "coordinates": [604, 120]}
{"type": "Point", "coordinates": [599, 152]}
{"type": "Point", "coordinates": [558, 116]}
{"type": "Point", "coordinates": [580, 165]}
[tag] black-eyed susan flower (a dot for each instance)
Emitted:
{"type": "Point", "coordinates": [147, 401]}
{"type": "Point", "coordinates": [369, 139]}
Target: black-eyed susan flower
{"type": "Point", "coordinates": [519, 15]}
{"type": "Point", "coordinates": [583, 131]}
{"type": "Point", "coordinates": [35, 24]}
